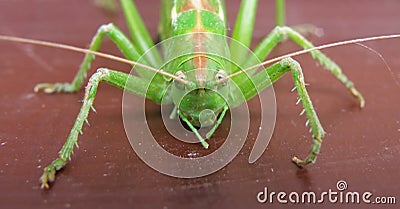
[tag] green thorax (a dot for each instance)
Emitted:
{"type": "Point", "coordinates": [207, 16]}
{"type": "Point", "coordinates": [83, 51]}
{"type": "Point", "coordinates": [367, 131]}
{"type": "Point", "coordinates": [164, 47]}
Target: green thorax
{"type": "Point", "coordinates": [187, 16]}
{"type": "Point", "coordinates": [198, 30]}
{"type": "Point", "coordinates": [199, 50]}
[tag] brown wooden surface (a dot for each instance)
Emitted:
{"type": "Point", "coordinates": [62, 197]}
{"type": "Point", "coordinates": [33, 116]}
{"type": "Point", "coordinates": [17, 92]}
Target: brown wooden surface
{"type": "Point", "coordinates": [361, 147]}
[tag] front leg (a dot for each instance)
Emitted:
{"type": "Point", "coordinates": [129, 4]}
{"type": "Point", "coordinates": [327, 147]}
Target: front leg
{"type": "Point", "coordinates": [72, 140]}
{"type": "Point", "coordinates": [121, 80]}
{"type": "Point", "coordinates": [120, 40]}
{"type": "Point", "coordinates": [279, 33]}
{"type": "Point", "coordinates": [318, 132]}
{"type": "Point", "coordinates": [253, 86]}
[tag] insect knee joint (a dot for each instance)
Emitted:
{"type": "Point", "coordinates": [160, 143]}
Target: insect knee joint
{"type": "Point", "coordinates": [102, 72]}
{"type": "Point", "coordinates": [281, 30]}
{"type": "Point", "coordinates": [290, 63]}
{"type": "Point", "coordinates": [107, 27]}
{"type": "Point", "coordinates": [94, 81]}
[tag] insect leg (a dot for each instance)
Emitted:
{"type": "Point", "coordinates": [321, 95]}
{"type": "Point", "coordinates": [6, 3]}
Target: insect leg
{"type": "Point", "coordinates": [135, 85]}
{"type": "Point", "coordinates": [304, 29]}
{"type": "Point", "coordinates": [312, 118]}
{"type": "Point", "coordinates": [140, 36]}
{"type": "Point", "coordinates": [279, 33]}
{"type": "Point", "coordinates": [243, 30]}
{"type": "Point", "coordinates": [117, 36]}
{"type": "Point", "coordinates": [280, 12]}
{"type": "Point", "coordinates": [109, 6]}
{"type": "Point", "coordinates": [264, 78]}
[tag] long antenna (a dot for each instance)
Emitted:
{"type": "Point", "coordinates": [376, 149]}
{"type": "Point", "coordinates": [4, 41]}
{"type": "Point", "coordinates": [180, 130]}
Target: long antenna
{"type": "Point", "coordinates": [353, 41]}
{"type": "Point", "coordinates": [87, 51]}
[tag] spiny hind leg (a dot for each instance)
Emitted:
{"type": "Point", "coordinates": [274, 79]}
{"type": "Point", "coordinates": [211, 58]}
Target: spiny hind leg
{"type": "Point", "coordinates": [279, 33]}
{"type": "Point", "coordinates": [121, 80]}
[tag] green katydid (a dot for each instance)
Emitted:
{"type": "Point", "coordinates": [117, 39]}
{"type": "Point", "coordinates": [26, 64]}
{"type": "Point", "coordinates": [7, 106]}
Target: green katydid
{"type": "Point", "coordinates": [199, 18]}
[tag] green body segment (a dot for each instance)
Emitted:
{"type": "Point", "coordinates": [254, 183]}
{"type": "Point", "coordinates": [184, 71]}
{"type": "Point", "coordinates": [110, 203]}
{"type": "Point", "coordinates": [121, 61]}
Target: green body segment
{"type": "Point", "coordinates": [198, 50]}
{"type": "Point", "coordinates": [193, 19]}
{"type": "Point", "coordinates": [188, 16]}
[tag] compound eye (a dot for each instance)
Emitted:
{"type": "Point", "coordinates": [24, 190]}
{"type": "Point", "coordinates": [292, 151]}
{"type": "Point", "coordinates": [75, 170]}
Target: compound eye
{"type": "Point", "coordinates": [181, 75]}
{"type": "Point", "coordinates": [221, 78]}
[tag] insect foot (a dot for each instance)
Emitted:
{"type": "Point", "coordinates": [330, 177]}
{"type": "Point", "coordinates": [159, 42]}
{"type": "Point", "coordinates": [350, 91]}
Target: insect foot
{"type": "Point", "coordinates": [49, 173]}
{"type": "Point", "coordinates": [53, 87]}
{"type": "Point", "coordinates": [312, 156]}
{"type": "Point", "coordinates": [358, 95]}
{"type": "Point", "coordinates": [299, 162]}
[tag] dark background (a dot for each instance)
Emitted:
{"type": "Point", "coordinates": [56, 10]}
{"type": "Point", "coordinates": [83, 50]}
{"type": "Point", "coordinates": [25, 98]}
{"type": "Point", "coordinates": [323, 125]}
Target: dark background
{"type": "Point", "coordinates": [361, 146]}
